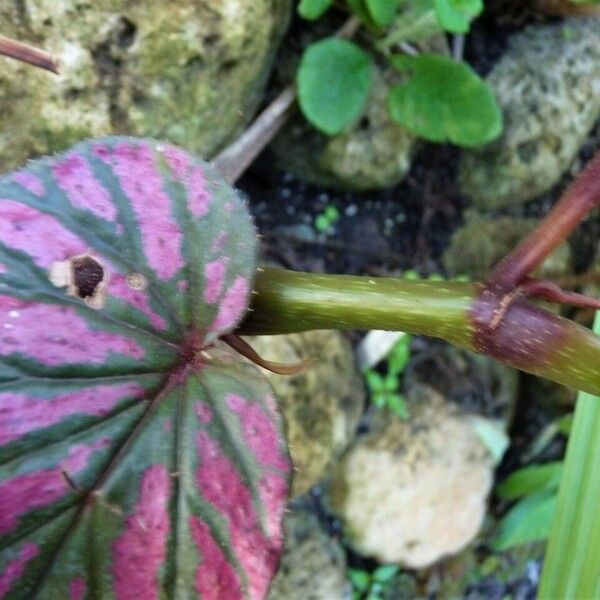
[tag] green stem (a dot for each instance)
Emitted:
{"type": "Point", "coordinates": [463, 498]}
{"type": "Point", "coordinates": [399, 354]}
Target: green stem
{"type": "Point", "coordinates": [290, 301]}
{"type": "Point", "coordinates": [527, 337]}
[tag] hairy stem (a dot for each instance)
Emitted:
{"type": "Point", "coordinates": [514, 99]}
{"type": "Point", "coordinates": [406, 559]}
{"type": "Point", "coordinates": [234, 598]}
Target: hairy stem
{"type": "Point", "coordinates": [529, 338]}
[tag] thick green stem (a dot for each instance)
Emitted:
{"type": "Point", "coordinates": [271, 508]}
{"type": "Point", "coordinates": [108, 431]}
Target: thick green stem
{"type": "Point", "coordinates": [525, 336]}
{"type": "Point", "coordinates": [289, 301]}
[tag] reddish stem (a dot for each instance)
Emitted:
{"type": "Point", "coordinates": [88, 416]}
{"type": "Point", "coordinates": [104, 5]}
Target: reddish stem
{"type": "Point", "coordinates": [28, 54]}
{"type": "Point", "coordinates": [579, 199]}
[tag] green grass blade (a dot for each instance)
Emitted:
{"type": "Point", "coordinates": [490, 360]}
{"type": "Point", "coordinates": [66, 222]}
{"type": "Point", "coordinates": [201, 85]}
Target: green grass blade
{"type": "Point", "coordinates": [572, 565]}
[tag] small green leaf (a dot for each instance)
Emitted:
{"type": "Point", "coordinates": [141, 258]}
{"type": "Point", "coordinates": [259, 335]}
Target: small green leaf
{"type": "Point", "coordinates": [397, 404]}
{"type": "Point", "coordinates": [313, 9]}
{"type": "Point", "coordinates": [374, 380]}
{"type": "Point", "coordinates": [385, 573]}
{"type": "Point", "coordinates": [333, 82]}
{"type": "Point", "coordinates": [391, 383]}
{"type": "Point", "coordinates": [530, 479]}
{"type": "Point", "coordinates": [455, 16]}
{"type": "Point", "coordinates": [360, 579]}
{"type": "Point", "coordinates": [382, 11]}
{"type": "Point", "coordinates": [529, 520]}
{"type": "Point", "coordinates": [399, 355]}
{"type": "Point", "coordinates": [445, 100]}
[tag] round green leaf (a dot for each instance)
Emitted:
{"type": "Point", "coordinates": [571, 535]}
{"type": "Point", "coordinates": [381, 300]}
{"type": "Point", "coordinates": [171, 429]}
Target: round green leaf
{"type": "Point", "coordinates": [333, 82]}
{"type": "Point", "coordinates": [139, 458]}
{"type": "Point", "coordinates": [455, 16]}
{"type": "Point", "coordinates": [445, 100]}
{"type": "Point", "coordinates": [313, 9]}
{"type": "Point", "coordinates": [382, 11]}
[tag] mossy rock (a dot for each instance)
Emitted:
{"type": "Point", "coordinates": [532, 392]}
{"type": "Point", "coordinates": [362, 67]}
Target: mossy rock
{"type": "Point", "coordinates": [191, 72]}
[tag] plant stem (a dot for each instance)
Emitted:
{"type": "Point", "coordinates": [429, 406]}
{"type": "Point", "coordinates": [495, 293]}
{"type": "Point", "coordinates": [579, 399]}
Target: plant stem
{"type": "Point", "coordinates": [291, 301]}
{"type": "Point", "coordinates": [28, 54]}
{"type": "Point", "coordinates": [530, 339]}
{"type": "Point", "coordinates": [576, 203]}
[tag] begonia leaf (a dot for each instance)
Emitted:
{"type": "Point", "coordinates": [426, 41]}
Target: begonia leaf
{"type": "Point", "coordinates": [139, 457]}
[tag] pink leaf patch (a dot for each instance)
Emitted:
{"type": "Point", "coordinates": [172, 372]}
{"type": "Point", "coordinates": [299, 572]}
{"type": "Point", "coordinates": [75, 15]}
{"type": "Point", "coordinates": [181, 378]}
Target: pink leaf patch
{"type": "Point", "coordinates": [77, 589]}
{"type": "Point", "coordinates": [214, 274]}
{"type": "Point", "coordinates": [37, 234]}
{"type": "Point", "coordinates": [55, 335]}
{"type": "Point", "coordinates": [141, 549]}
{"type": "Point", "coordinates": [15, 568]}
{"type": "Point", "coordinates": [215, 577]}
{"type": "Point", "coordinates": [136, 168]}
{"type": "Point", "coordinates": [260, 433]}
{"type": "Point", "coordinates": [220, 484]}
{"type": "Point", "coordinates": [21, 414]}
{"type": "Point", "coordinates": [75, 177]}
{"type": "Point", "coordinates": [232, 305]}
{"type": "Point", "coordinates": [32, 183]}
{"type": "Point", "coordinates": [119, 288]}
{"type": "Point", "coordinates": [38, 489]}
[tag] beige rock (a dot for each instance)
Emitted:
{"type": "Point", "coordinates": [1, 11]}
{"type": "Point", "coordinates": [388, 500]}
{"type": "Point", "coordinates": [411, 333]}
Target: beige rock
{"type": "Point", "coordinates": [321, 406]}
{"type": "Point", "coordinates": [414, 491]}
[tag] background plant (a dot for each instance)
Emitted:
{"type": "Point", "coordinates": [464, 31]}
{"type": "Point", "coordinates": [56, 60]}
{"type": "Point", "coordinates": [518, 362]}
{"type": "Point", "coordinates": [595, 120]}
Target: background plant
{"type": "Point", "coordinates": [441, 100]}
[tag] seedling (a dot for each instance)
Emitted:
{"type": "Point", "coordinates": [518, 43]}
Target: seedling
{"type": "Point", "coordinates": [385, 389]}
{"type": "Point", "coordinates": [371, 585]}
{"type": "Point", "coordinates": [325, 221]}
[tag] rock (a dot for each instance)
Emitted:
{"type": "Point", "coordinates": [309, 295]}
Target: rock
{"type": "Point", "coordinates": [411, 492]}
{"type": "Point", "coordinates": [313, 565]}
{"type": "Point", "coordinates": [482, 241]}
{"type": "Point", "coordinates": [374, 153]}
{"type": "Point", "coordinates": [191, 72]}
{"type": "Point", "coordinates": [548, 86]}
{"type": "Point", "coordinates": [321, 406]}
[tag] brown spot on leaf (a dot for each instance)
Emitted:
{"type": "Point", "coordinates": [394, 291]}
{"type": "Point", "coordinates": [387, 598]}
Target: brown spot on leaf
{"type": "Point", "coordinates": [88, 274]}
{"type": "Point", "coordinates": [84, 276]}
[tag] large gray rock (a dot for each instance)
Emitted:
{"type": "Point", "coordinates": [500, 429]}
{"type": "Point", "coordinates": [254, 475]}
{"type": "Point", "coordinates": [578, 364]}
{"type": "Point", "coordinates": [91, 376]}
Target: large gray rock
{"type": "Point", "coordinates": [313, 565]}
{"type": "Point", "coordinates": [373, 153]}
{"type": "Point", "coordinates": [548, 86]}
{"type": "Point", "coordinates": [321, 406]}
{"type": "Point", "coordinates": [411, 492]}
{"type": "Point", "coordinates": [191, 72]}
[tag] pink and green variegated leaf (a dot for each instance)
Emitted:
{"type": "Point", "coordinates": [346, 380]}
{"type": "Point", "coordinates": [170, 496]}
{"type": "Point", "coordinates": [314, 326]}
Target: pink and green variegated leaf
{"type": "Point", "coordinates": [139, 456]}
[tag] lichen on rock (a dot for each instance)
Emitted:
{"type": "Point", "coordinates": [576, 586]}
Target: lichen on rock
{"type": "Point", "coordinates": [548, 86]}
{"type": "Point", "coordinates": [191, 72]}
